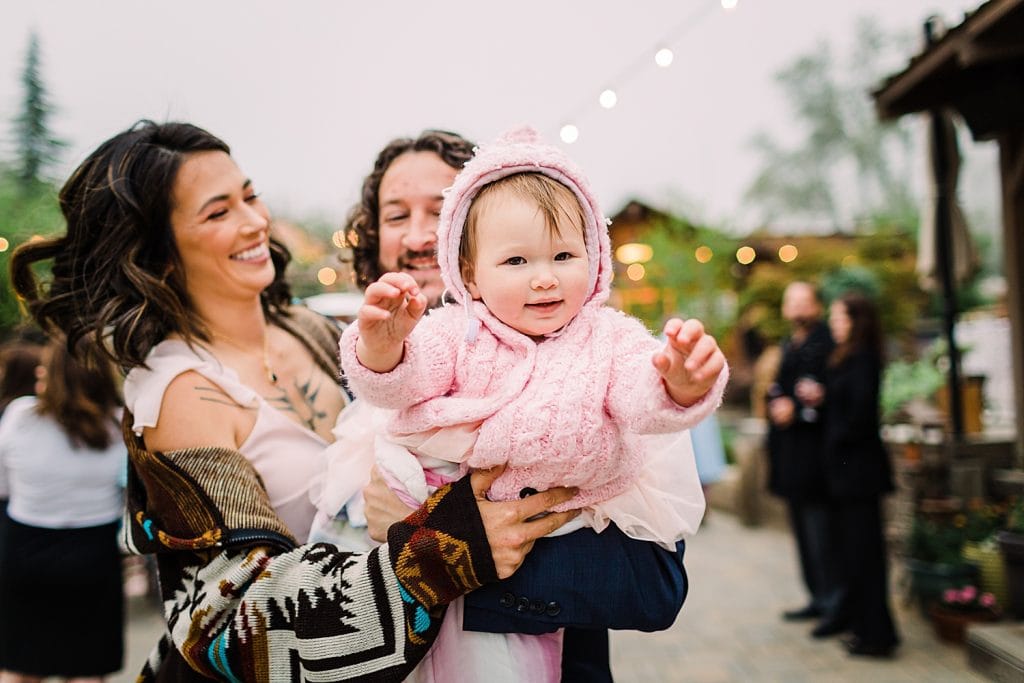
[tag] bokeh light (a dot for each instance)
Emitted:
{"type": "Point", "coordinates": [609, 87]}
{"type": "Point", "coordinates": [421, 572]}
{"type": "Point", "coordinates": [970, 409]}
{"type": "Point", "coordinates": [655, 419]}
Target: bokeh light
{"type": "Point", "coordinates": [4, 244]}
{"type": "Point", "coordinates": [608, 99]}
{"type": "Point", "coordinates": [703, 254]}
{"type": "Point", "coordinates": [569, 133]}
{"type": "Point", "coordinates": [634, 252]}
{"type": "Point", "coordinates": [636, 272]}
{"type": "Point", "coordinates": [327, 276]}
{"type": "Point", "coordinates": [746, 255]}
{"type": "Point", "coordinates": [338, 239]}
{"type": "Point", "coordinates": [788, 253]}
{"type": "Point", "coordinates": [729, 4]}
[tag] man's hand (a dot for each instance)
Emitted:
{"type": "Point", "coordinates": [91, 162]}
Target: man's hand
{"type": "Point", "coordinates": [781, 411]}
{"type": "Point", "coordinates": [381, 506]}
{"type": "Point", "coordinates": [513, 526]}
{"type": "Point", "coordinates": [391, 308]}
{"type": "Point", "coordinates": [690, 362]}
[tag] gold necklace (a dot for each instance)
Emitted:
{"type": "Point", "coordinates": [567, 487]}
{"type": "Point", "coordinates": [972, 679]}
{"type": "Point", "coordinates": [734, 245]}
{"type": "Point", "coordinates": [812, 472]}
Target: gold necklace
{"type": "Point", "coordinates": [267, 369]}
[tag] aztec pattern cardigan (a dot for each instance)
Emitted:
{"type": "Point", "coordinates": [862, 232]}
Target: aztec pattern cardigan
{"type": "Point", "coordinates": [243, 602]}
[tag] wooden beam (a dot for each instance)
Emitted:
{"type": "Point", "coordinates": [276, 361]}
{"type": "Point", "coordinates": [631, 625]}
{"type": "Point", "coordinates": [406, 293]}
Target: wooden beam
{"type": "Point", "coordinates": [1011, 162]}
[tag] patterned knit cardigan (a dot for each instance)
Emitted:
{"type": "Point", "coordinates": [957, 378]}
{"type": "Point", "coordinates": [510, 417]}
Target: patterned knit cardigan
{"type": "Point", "coordinates": [244, 603]}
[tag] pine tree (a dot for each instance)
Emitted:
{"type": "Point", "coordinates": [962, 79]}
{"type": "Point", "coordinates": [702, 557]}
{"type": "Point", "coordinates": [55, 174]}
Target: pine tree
{"type": "Point", "coordinates": [37, 149]}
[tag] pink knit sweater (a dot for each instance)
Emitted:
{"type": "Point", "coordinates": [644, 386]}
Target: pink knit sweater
{"type": "Point", "coordinates": [558, 412]}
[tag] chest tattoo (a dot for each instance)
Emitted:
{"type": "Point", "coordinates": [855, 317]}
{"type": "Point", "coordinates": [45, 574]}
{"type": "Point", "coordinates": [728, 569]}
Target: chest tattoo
{"type": "Point", "coordinates": [302, 402]}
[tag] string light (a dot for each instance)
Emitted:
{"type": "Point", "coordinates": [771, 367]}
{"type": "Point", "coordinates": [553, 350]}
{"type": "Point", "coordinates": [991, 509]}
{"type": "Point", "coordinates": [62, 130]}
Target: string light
{"type": "Point", "coordinates": [664, 57]}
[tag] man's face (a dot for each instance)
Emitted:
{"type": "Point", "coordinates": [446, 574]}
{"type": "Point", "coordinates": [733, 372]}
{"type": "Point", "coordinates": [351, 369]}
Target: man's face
{"type": "Point", "coordinates": [410, 203]}
{"type": "Point", "coordinates": [800, 305]}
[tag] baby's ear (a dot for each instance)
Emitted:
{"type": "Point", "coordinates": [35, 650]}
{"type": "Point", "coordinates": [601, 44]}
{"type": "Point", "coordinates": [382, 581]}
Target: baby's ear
{"type": "Point", "coordinates": [472, 288]}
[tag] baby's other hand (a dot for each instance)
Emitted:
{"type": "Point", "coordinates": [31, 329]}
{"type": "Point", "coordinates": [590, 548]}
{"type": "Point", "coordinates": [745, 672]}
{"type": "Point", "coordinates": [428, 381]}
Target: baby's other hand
{"type": "Point", "coordinates": [691, 361]}
{"type": "Point", "coordinates": [391, 308]}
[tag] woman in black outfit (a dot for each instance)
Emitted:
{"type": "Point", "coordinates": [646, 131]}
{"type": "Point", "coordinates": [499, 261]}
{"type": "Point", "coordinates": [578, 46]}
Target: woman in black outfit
{"type": "Point", "coordinates": [857, 470]}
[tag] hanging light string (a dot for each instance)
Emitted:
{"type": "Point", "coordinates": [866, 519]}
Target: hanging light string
{"type": "Point", "coordinates": [663, 57]}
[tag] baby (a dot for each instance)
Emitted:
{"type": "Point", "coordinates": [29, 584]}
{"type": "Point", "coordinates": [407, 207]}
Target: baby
{"type": "Point", "coordinates": [529, 368]}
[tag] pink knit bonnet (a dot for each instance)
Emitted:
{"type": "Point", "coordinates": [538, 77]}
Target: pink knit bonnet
{"type": "Point", "coordinates": [520, 150]}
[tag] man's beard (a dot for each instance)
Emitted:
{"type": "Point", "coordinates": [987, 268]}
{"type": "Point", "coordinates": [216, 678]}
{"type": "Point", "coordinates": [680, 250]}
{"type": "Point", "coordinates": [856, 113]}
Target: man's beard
{"type": "Point", "coordinates": [422, 266]}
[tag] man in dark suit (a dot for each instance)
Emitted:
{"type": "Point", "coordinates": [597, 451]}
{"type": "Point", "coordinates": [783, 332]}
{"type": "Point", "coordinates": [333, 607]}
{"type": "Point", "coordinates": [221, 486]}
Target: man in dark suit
{"type": "Point", "coordinates": [795, 454]}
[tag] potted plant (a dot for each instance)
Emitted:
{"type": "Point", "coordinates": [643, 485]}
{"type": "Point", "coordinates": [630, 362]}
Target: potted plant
{"type": "Point", "coordinates": [981, 521]}
{"type": "Point", "coordinates": [959, 607]}
{"type": "Point", "coordinates": [1011, 545]}
{"type": "Point", "coordinates": [934, 560]}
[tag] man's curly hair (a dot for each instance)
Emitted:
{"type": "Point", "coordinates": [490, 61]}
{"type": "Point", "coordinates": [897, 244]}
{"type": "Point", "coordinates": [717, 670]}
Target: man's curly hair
{"type": "Point", "coordinates": [362, 228]}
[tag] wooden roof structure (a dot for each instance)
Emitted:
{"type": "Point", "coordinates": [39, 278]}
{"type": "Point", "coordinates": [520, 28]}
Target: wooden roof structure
{"type": "Point", "coordinates": [977, 69]}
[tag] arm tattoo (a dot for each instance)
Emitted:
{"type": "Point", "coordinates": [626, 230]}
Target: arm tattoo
{"type": "Point", "coordinates": [216, 396]}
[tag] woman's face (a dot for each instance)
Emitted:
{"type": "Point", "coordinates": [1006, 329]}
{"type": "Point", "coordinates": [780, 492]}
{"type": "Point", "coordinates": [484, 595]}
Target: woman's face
{"type": "Point", "coordinates": [409, 205]}
{"type": "Point", "coordinates": [839, 322]}
{"type": "Point", "coordinates": [221, 228]}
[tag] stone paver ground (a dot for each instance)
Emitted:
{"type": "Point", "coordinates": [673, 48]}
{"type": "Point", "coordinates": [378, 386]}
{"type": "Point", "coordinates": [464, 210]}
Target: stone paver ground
{"type": "Point", "coordinates": [729, 631]}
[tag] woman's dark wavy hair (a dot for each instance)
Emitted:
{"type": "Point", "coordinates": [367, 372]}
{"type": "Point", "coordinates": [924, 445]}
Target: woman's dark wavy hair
{"type": "Point", "coordinates": [865, 329]}
{"type": "Point", "coordinates": [362, 228]}
{"type": "Point", "coordinates": [117, 277]}
{"type": "Point", "coordinates": [80, 397]}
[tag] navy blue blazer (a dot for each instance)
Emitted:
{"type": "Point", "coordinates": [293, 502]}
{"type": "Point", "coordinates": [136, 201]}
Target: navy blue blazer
{"type": "Point", "coordinates": [584, 579]}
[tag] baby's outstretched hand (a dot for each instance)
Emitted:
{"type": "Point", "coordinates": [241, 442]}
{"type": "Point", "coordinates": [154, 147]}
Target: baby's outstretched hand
{"type": "Point", "coordinates": [691, 361]}
{"type": "Point", "coordinates": [391, 308]}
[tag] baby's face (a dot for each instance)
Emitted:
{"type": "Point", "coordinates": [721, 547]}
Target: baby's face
{"type": "Point", "coordinates": [529, 277]}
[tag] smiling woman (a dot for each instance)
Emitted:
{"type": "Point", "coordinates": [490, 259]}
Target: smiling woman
{"type": "Point", "coordinates": [230, 398]}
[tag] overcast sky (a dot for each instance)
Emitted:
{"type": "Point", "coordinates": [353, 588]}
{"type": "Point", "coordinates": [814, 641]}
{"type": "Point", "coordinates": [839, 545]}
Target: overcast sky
{"type": "Point", "coordinates": [306, 92]}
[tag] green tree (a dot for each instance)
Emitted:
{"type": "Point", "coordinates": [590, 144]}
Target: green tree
{"type": "Point", "coordinates": [37, 149]}
{"type": "Point", "coordinates": [846, 160]}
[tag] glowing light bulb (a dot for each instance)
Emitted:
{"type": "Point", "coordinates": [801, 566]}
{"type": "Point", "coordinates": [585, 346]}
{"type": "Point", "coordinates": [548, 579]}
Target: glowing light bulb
{"type": "Point", "coordinates": [608, 99]}
{"type": "Point", "coordinates": [663, 57]}
{"type": "Point", "coordinates": [569, 133]}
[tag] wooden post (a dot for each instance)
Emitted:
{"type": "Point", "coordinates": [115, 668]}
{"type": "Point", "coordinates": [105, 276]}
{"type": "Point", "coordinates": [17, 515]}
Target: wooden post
{"type": "Point", "coordinates": [1011, 163]}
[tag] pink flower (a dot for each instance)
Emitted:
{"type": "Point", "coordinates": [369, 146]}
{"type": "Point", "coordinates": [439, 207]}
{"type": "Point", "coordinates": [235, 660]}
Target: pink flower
{"type": "Point", "coordinates": [951, 596]}
{"type": "Point", "coordinates": [968, 593]}
{"type": "Point", "coordinates": [987, 600]}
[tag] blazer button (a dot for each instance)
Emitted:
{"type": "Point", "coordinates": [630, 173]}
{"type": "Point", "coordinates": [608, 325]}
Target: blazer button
{"type": "Point", "coordinates": [537, 607]}
{"type": "Point", "coordinates": [507, 600]}
{"type": "Point", "coordinates": [553, 609]}
{"type": "Point", "coordinates": [523, 604]}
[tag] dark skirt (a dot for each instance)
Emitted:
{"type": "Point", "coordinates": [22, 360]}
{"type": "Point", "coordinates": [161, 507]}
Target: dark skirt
{"type": "Point", "coordinates": [61, 601]}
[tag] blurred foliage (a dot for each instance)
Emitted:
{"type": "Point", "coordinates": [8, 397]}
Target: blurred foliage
{"type": "Point", "coordinates": [938, 541]}
{"type": "Point", "coordinates": [846, 157]}
{"type": "Point", "coordinates": [27, 209]}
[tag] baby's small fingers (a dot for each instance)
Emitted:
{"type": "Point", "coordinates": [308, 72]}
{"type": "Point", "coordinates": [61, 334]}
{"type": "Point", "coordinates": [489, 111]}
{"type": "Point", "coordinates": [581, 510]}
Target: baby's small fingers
{"type": "Point", "coordinates": [701, 352]}
{"type": "Point", "coordinates": [661, 362]}
{"type": "Point", "coordinates": [671, 328]}
{"type": "Point", "coordinates": [368, 313]}
{"type": "Point", "coordinates": [401, 281]}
